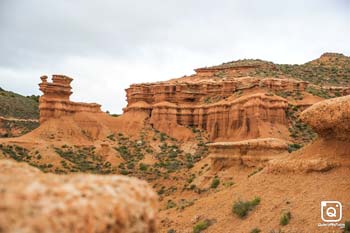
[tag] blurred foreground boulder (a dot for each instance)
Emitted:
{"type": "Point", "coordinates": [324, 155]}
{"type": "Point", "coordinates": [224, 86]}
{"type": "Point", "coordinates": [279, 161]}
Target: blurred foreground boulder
{"type": "Point", "coordinates": [32, 201]}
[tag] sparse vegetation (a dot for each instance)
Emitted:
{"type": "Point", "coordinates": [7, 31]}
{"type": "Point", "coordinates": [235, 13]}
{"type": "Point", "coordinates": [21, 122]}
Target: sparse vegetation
{"type": "Point", "coordinates": [294, 147]}
{"type": "Point", "coordinates": [346, 227]}
{"type": "Point", "coordinates": [18, 106]}
{"type": "Point", "coordinates": [255, 172]}
{"type": "Point", "coordinates": [21, 154]}
{"type": "Point", "coordinates": [84, 160]}
{"type": "Point", "coordinates": [215, 183]}
{"type": "Point", "coordinates": [285, 218]}
{"type": "Point", "coordinates": [241, 208]}
{"type": "Point", "coordinates": [255, 230]}
{"type": "Point", "coordinates": [202, 225]}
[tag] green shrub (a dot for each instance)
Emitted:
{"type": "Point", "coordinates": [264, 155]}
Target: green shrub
{"type": "Point", "coordinates": [285, 218]}
{"type": "Point", "coordinates": [170, 204]}
{"type": "Point", "coordinates": [241, 208]}
{"type": "Point", "coordinates": [215, 183]}
{"type": "Point", "coordinates": [124, 172]}
{"type": "Point", "coordinates": [143, 167]}
{"type": "Point", "coordinates": [294, 147]}
{"type": "Point", "coordinates": [347, 227]}
{"type": "Point", "coordinates": [255, 230]}
{"type": "Point", "coordinates": [202, 225]}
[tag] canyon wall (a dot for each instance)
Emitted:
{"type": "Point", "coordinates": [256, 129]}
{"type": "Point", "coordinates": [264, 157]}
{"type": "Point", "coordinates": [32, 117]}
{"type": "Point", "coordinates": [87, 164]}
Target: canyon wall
{"type": "Point", "coordinates": [217, 107]}
{"type": "Point", "coordinates": [55, 101]}
{"type": "Point", "coordinates": [195, 92]}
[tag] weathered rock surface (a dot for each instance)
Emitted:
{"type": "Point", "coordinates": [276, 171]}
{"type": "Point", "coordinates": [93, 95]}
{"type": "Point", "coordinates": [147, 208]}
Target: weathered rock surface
{"type": "Point", "coordinates": [55, 102]}
{"type": "Point", "coordinates": [254, 152]}
{"type": "Point", "coordinates": [213, 106]}
{"type": "Point", "coordinates": [35, 202]}
{"type": "Point", "coordinates": [330, 118]}
{"type": "Point", "coordinates": [194, 90]}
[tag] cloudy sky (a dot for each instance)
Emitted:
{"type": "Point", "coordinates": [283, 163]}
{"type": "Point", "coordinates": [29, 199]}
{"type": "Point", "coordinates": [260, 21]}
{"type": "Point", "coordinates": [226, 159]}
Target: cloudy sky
{"type": "Point", "coordinates": [106, 45]}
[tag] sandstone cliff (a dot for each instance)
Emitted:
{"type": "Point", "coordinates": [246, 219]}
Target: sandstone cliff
{"type": "Point", "coordinates": [233, 109]}
{"type": "Point", "coordinates": [35, 202]}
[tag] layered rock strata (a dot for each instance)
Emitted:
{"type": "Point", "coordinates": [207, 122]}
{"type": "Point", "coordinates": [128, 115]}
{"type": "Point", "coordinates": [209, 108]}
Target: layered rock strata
{"type": "Point", "coordinates": [195, 92]}
{"type": "Point", "coordinates": [254, 152]}
{"type": "Point", "coordinates": [55, 101]}
{"type": "Point", "coordinates": [35, 202]}
{"type": "Point", "coordinates": [214, 106]}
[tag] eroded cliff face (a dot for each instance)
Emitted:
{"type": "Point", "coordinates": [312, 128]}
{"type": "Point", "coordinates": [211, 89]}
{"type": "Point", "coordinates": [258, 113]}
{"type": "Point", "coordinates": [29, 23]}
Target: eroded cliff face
{"type": "Point", "coordinates": [32, 201]}
{"type": "Point", "coordinates": [55, 102]}
{"type": "Point", "coordinates": [228, 109]}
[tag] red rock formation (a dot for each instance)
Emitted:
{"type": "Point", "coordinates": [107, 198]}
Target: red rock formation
{"type": "Point", "coordinates": [55, 102]}
{"type": "Point", "coordinates": [254, 152]}
{"type": "Point", "coordinates": [230, 117]}
{"type": "Point", "coordinates": [330, 118]}
{"type": "Point", "coordinates": [32, 201]}
{"type": "Point", "coordinates": [193, 92]}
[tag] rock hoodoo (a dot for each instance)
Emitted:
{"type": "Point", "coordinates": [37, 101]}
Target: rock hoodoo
{"type": "Point", "coordinates": [35, 202]}
{"type": "Point", "coordinates": [55, 102]}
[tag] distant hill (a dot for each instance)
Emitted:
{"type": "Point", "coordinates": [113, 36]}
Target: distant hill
{"type": "Point", "coordinates": [330, 69]}
{"type": "Point", "coordinates": [13, 105]}
{"type": "Point", "coordinates": [18, 114]}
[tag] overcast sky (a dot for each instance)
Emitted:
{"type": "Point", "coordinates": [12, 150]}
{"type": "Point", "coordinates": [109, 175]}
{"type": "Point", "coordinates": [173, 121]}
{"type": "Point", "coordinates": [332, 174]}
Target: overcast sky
{"type": "Point", "coordinates": [106, 45]}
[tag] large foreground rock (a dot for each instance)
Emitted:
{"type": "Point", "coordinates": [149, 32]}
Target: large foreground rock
{"type": "Point", "coordinates": [32, 201]}
{"type": "Point", "coordinates": [330, 118]}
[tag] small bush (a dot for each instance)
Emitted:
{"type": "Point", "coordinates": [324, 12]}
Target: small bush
{"type": "Point", "coordinates": [202, 225]}
{"type": "Point", "coordinates": [346, 227]}
{"type": "Point", "coordinates": [241, 208]}
{"type": "Point", "coordinates": [285, 218]}
{"type": "Point", "coordinates": [293, 147]}
{"type": "Point", "coordinates": [124, 172]}
{"type": "Point", "coordinates": [255, 230]}
{"type": "Point", "coordinates": [170, 204]}
{"type": "Point", "coordinates": [143, 167]}
{"type": "Point", "coordinates": [215, 183]}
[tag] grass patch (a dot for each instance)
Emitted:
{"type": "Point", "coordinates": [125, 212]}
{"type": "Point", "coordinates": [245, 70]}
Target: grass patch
{"type": "Point", "coordinates": [201, 226]}
{"type": "Point", "coordinates": [294, 147]}
{"type": "Point", "coordinates": [215, 183]}
{"type": "Point", "coordinates": [255, 230]}
{"type": "Point", "coordinates": [242, 208]}
{"type": "Point", "coordinates": [285, 218]}
{"type": "Point", "coordinates": [346, 227]}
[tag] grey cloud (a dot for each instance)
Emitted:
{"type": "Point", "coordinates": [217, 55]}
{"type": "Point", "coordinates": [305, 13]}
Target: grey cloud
{"type": "Point", "coordinates": [156, 36]}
